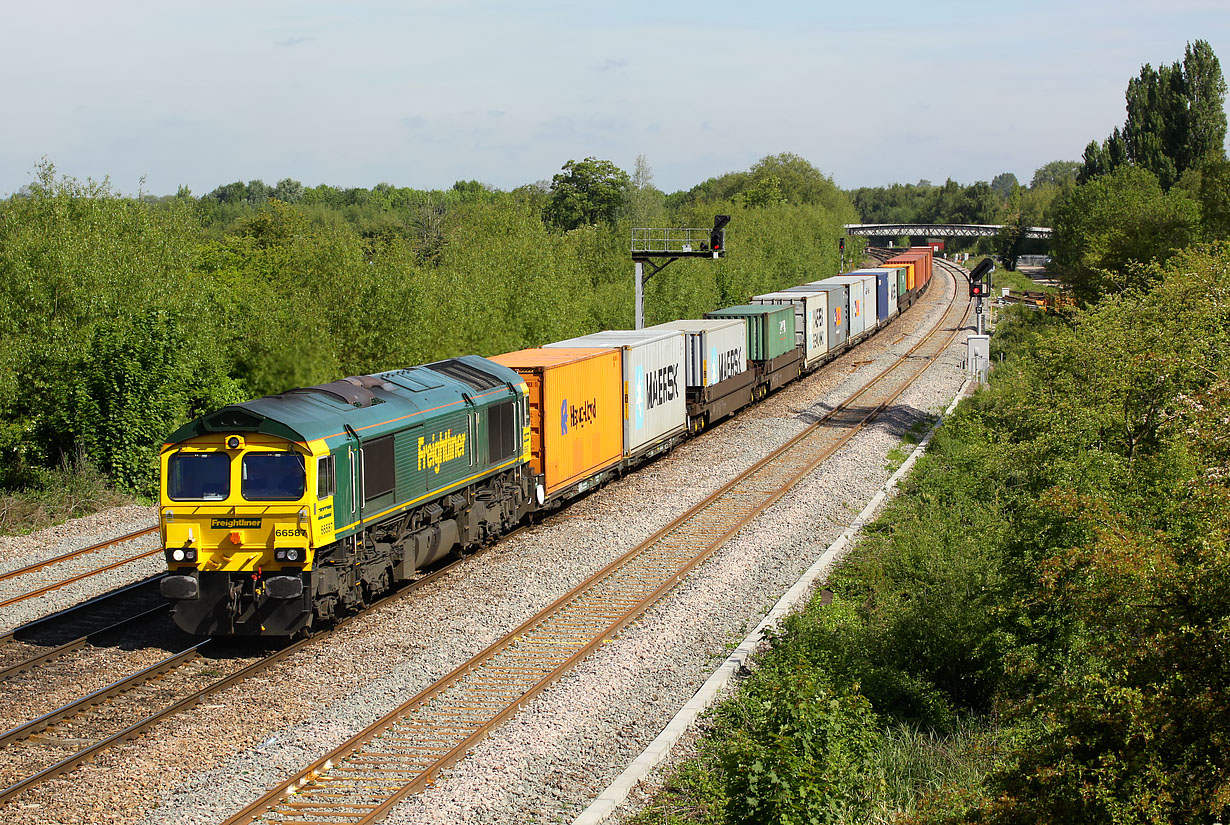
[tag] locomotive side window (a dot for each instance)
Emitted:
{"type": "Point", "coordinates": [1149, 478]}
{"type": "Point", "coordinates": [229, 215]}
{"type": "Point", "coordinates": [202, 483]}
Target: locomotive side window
{"type": "Point", "coordinates": [324, 476]}
{"type": "Point", "coordinates": [273, 477]}
{"type": "Point", "coordinates": [199, 476]}
{"type": "Point", "coordinates": [379, 468]}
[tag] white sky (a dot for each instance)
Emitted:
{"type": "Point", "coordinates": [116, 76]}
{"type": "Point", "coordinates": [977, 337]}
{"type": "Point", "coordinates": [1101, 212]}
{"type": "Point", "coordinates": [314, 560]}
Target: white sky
{"type": "Point", "coordinates": [423, 93]}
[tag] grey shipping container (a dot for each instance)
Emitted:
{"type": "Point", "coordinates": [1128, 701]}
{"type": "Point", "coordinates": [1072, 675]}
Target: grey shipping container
{"type": "Point", "coordinates": [862, 301]}
{"type": "Point", "coordinates": [838, 310]}
{"type": "Point", "coordinates": [716, 348]}
{"type": "Point", "coordinates": [770, 329]}
{"type": "Point", "coordinates": [655, 404]}
{"type": "Point", "coordinates": [811, 306]}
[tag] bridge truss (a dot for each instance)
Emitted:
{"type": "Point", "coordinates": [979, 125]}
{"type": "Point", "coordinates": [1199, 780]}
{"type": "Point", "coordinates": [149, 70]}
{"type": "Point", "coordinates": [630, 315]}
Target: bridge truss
{"type": "Point", "coordinates": [937, 230]}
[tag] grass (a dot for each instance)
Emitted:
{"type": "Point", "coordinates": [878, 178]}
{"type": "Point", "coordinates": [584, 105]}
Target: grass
{"type": "Point", "coordinates": [46, 497]}
{"type": "Point", "coordinates": [919, 772]}
{"type": "Point", "coordinates": [897, 455]}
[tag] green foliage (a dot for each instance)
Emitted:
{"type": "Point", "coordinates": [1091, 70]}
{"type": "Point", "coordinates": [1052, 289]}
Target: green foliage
{"type": "Point", "coordinates": [775, 179]}
{"type": "Point", "coordinates": [1105, 227]}
{"type": "Point", "coordinates": [46, 496]}
{"type": "Point", "coordinates": [587, 192]}
{"type": "Point", "coordinates": [140, 378]}
{"type": "Point", "coordinates": [803, 753]}
{"type": "Point", "coordinates": [1055, 173]}
{"type": "Point", "coordinates": [1175, 120]}
{"type": "Point", "coordinates": [978, 203]}
{"type": "Point", "coordinates": [80, 265]}
{"type": "Point", "coordinates": [1003, 184]}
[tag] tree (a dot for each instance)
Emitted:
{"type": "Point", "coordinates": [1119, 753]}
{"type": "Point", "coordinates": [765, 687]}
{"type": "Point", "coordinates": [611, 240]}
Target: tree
{"type": "Point", "coordinates": [1107, 227]}
{"type": "Point", "coordinates": [1003, 183]}
{"type": "Point", "coordinates": [1175, 120]}
{"type": "Point", "coordinates": [1055, 173]}
{"type": "Point", "coordinates": [232, 193]}
{"type": "Point", "coordinates": [1008, 241]}
{"type": "Point", "coordinates": [1103, 158]}
{"type": "Point", "coordinates": [586, 192]}
{"type": "Point", "coordinates": [1214, 196]}
{"type": "Point", "coordinates": [288, 190]}
{"type": "Point", "coordinates": [258, 192]}
{"type": "Point", "coordinates": [1206, 117]}
{"type": "Point", "coordinates": [647, 203]}
{"type": "Point", "coordinates": [1153, 131]}
{"type": "Point", "coordinates": [977, 204]}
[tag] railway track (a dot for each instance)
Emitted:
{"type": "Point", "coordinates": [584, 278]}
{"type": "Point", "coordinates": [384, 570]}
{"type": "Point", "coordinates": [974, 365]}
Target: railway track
{"type": "Point", "coordinates": [59, 740]}
{"type": "Point", "coordinates": [37, 567]}
{"type": "Point", "coordinates": [47, 639]}
{"type": "Point", "coordinates": [401, 753]}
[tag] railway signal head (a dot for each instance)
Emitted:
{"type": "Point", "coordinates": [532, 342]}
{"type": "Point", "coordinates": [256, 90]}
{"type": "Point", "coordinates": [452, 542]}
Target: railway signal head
{"type": "Point", "coordinates": [977, 288]}
{"type": "Point", "coordinates": [717, 237]}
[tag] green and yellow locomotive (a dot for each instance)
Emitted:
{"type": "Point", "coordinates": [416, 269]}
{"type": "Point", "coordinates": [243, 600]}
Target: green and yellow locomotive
{"type": "Point", "coordinates": [283, 512]}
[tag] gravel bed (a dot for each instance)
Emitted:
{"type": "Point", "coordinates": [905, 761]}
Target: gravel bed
{"type": "Point", "coordinates": [19, 551]}
{"type": "Point", "coordinates": [566, 745]}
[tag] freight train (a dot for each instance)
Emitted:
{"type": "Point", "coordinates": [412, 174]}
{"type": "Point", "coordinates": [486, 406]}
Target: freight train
{"type": "Point", "coordinates": [282, 513]}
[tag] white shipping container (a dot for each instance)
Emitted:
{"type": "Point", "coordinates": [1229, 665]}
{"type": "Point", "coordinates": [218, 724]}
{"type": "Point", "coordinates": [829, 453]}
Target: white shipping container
{"type": "Point", "coordinates": [862, 301]}
{"type": "Point", "coordinates": [810, 312]}
{"type": "Point", "coordinates": [716, 348]}
{"type": "Point", "coordinates": [655, 401]}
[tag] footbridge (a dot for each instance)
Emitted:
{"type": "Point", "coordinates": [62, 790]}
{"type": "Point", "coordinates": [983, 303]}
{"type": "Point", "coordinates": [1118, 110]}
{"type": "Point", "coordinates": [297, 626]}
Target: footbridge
{"type": "Point", "coordinates": [937, 230]}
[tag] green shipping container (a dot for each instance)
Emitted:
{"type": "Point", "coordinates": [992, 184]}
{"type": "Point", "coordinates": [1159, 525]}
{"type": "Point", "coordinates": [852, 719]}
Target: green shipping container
{"type": "Point", "coordinates": [770, 329]}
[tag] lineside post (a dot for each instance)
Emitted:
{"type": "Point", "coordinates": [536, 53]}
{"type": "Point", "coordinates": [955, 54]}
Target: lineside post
{"type": "Point", "coordinates": [672, 244]}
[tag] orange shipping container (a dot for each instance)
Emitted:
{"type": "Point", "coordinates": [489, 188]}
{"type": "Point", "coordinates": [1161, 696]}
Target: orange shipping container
{"type": "Point", "coordinates": [925, 256]}
{"type": "Point", "coordinates": [910, 281]}
{"type": "Point", "coordinates": [576, 411]}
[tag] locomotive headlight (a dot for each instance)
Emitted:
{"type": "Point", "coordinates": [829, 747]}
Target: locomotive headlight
{"type": "Point", "coordinates": [292, 554]}
{"type": "Point", "coordinates": [177, 554]}
{"type": "Point", "coordinates": [234, 442]}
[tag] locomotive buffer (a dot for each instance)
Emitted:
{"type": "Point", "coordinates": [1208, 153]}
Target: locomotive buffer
{"type": "Point", "coordinates": [671, 244]}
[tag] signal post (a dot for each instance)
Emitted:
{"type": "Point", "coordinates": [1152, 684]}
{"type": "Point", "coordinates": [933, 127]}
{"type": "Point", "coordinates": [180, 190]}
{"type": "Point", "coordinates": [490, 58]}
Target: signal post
{"type": "Point", "coordinates": [978, 289]}
{"type": "Point", "coordinates": [671, 244]}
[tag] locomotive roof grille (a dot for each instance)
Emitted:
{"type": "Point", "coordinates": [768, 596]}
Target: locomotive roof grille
{"type": "Point", "coordinates": [457, 369]}
{"type": "Point", "coordinates": [354, 392]}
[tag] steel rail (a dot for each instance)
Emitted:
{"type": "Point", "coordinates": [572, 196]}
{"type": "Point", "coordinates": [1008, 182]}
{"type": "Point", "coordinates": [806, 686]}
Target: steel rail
{"type": "Point", "coordinates": [30, 568]}
{"type": "Point", "coordinates": [79, 577]}
{"type": "Point", "coordinates": [74, 644]}
{"type": "Point", "coordinates": [138, 728]}
{"type": "Point", "coordinates": [63, 615]}
{"type": "Point", "coordinates": [103, 694]}
{"type": "Point", "coordinates": [401, 753]}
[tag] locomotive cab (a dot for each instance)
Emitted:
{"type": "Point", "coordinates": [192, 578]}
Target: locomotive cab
{"type": "Point", "coordinates": [241, 516]}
